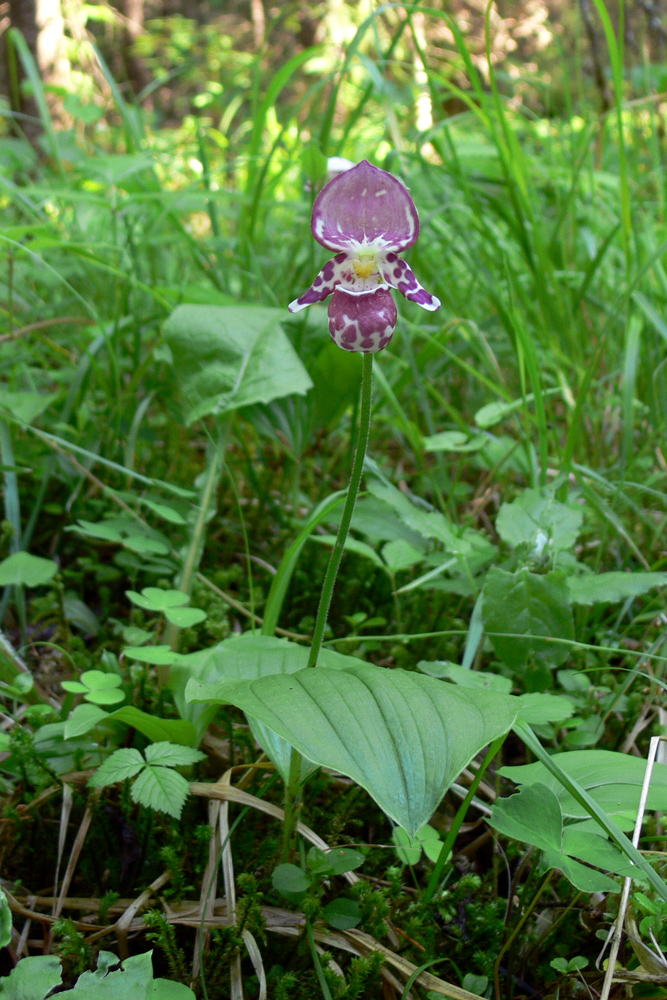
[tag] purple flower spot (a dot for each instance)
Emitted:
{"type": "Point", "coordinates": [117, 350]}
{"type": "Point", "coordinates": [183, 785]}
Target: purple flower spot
{"type": "Point", "coordinates": [328, 270]}
{"type": "Point", "coordinates": [397, 272]}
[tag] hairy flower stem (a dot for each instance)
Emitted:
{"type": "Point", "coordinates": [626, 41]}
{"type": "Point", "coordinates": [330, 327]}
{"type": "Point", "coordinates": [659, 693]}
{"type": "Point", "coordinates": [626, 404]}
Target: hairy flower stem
{"type": "Point", "coordinates": [293, 786]}
{"type": "Point", "coordinates": [348, 509]}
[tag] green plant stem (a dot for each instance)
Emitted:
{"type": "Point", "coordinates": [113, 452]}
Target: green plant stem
{"type": "Point", "coordinates": [292, 802]}
{"type": "Point", "coordinates": [508, 944]}
{"type": "Point", "coordinates": [197, 538]}
{"type": "Point", "coordinates": [448, 843]}
{"type": "Point", "coordinates": [319, 971]}
{"type": "Point", "coordinates": [350, 500]}
{"type": "Point", "coordinates": [293, 786]}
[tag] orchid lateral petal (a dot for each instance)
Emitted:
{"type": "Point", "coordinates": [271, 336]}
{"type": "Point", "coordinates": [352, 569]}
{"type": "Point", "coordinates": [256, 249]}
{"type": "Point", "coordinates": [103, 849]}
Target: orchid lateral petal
{"type": "Point", "coordinates": [333, 272]}
{"type": "Point", "coordinates": [396, 273]}
{"type": "Point", "coordinates": [362, 322]}
{"type": "Point", "coordinates": [365, 205]}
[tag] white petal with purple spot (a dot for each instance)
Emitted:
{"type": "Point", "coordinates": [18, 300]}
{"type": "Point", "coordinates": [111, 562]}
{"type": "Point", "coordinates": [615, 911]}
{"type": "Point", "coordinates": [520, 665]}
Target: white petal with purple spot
{"type": "Point", "coordinates": [400, 275]}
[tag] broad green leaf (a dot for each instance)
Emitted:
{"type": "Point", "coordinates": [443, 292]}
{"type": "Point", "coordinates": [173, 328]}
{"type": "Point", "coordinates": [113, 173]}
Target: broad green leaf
{"type": "Point", "coordinates": [596, 850]}
{"type": "Point", "coordinates": [526, 607]}
{"type": "Point", "coordinates": [464, 677]}
{"type": "Point", "coordinates": [98, 680]}
{"type": "Point", "coordinates": [157, 599]}
{"type": "Point", "coordinates": [84, 718]}
{"type": "Point", "coordinates": [399, 555]}
{"type": "Point", "coordinates": [74, 687]}
{"type": "Point", "coordinates": [288, 879]}
{"type": "Point", "coordinates": [455, 441]}
{"type": "Point", "coordinates": [536, 519]}
{"type": "Point", "coordinates": [133, 981]}
{"type": "Point", "coordinates": [278, 750]}
{"type": "Point", "coordinates": [25, 406]}
{"type": "Point", "coordinates": [63, 754]}
{"type": "Point", "coordinates": [336, 376]}
{"type": "Point", "coordinates": [124, 531]}
{"type": "Point", "coordinates": [162, 789]}
{"type": "Point", "coordinates": [581, 877]}
{"type": "Point", "coordinates": [249, 657]}
{"type": "Point", "coordinates": [610, 588]}
{"type": "Point", "coordinates": [227, 357]}
{"type": "Point", "coordinates": [167, 989]}
{"type": "Point", "coordinates": [80, 615]}
{"type": "Point", "coordinates": [401, 736]}
{"type": "Point", "coordinates": [538, 708]}
{"type": "Point", "coordinates": [143, 545]}
{"type": "Point", "coordinates": [344, 859]}
{"type": "Point", "coordinates": [106, 531]}
{"type": "Point", "coordinates": [155, 655]}
{"type": "Point", "coordinates": [342, 913]}
{"type": "Point", "coordinates": [408, 852]}
{"type": "Point", "coordinates": [169, 730]}
{"type": "Point", "coordinates": [185, 617]}
{"type": "Point", "coordinates": [164, 510]}
{"type": "Point", "coordinates": [613, 780]}
{"type": "Point", "coordinates": [427, 523]}
{"type": "Point", "coordinates": [32, 978]}
{"type": "Point", "coordinates": [136, 636]}
{"type": "Point", "coordinates": [120, 765]}
{"type": "Point", "coordinates": [532, 815]}
{"type": "Point", "coordinates": [172, 755]}
{"type": "Point", "coordinates": [5, 920]}
{"type": "Point", "coordinates": [24, 570]}
{"type": "Point", "coordinates": [493, 413]}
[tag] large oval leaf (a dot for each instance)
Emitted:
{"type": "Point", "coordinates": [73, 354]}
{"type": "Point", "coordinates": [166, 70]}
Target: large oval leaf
{"type": "Point", "coordinates": [402, 736]}
{"type": "Point", "coordinates": [249, 657]}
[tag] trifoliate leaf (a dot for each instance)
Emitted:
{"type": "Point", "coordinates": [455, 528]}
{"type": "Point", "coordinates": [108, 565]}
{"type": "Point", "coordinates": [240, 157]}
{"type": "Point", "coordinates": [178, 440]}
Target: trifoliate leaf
{"type": "Point", "coordinates": [120, 765]}
{"type": "Point", "coordinates": [171, 755]}
{"type": "Point", "coordinates": [162, 789]}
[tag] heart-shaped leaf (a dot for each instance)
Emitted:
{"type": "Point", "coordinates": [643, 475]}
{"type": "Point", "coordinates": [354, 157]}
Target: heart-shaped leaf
{"type": "Point", "coordinates": [227, 357]}
{"type": "Point", "coordinates": [400, 735]}
{"type": "Point", "coordinates": [24, 570]}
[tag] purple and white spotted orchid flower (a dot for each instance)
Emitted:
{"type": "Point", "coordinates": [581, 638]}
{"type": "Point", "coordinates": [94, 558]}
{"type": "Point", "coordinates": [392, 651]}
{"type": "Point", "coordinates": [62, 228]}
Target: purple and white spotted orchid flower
{"type": "Point", "coordinates": [368, 217]}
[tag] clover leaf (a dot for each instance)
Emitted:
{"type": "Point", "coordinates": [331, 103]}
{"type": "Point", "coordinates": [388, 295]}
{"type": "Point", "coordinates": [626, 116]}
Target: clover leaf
{"type": "Point", "coordinates": [97, 687]}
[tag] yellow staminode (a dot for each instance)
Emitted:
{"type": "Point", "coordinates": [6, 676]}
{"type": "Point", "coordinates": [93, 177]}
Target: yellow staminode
{"type": "Point", "coordinates": [365, 267]}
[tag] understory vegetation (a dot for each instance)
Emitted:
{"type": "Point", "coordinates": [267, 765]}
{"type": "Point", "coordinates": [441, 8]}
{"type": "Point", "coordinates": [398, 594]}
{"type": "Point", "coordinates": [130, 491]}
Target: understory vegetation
{"type": "Point", "coordinates": [467, 763]}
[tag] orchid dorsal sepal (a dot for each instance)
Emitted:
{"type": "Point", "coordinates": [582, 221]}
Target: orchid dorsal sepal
{"type": "Point", "coordinates": [368, 216]}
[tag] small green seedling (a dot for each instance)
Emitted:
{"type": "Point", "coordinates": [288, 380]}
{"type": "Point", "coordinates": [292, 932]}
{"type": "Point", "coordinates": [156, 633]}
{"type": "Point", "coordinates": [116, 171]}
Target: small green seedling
{"type": "Point", "coordinates": [565, 965]}
{"type": "Point", "coordinates": [409, 851]}
{"type": "Point", "coordinates": [293, 882]}
{"type": "Point", "coordinates": [170, 603]}
{"type": "Point", "coordinates": [97, 687]}
{"type": "Point", "coordinates": [157, 784]}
